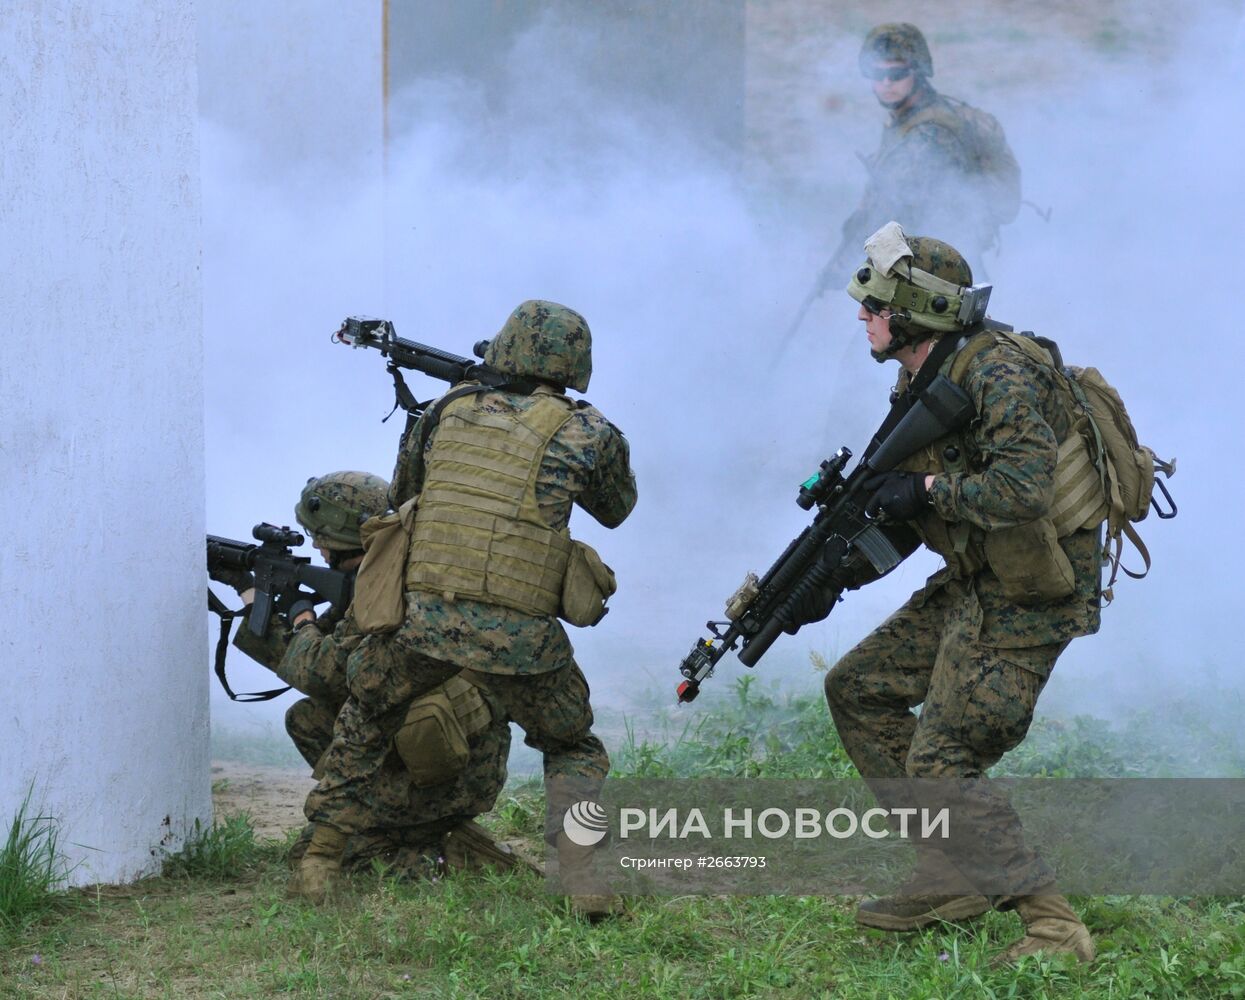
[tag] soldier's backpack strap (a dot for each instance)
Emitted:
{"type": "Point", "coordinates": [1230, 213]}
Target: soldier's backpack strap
{"type": "Point", "coordinates": [970, 350]}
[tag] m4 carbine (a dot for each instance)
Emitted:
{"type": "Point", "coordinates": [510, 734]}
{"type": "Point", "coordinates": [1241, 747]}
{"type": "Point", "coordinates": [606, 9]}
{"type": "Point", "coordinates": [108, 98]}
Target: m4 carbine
{"type": "Point", "coordinates": [279, 580]}
{"type": "Point", "coordinates": [362, 331]}
{"type": "Point", "coordinates": [842, 535]}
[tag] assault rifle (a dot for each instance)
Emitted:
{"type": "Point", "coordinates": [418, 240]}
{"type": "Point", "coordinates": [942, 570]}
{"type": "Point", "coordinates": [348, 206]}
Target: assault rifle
{"type": "Point", "coordinates": [280, 577]}
{"type": "Point", "coordinates": [841, 535]}
{"type": "Point", "coordinates": [362, 331]}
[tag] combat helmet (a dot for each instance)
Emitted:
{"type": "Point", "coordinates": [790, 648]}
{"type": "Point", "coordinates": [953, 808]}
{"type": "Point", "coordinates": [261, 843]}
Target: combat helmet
{"type": "Point", "coordinates": [897, 42]}
{"type": "Point", "coordinates": [331, 508]}
{"type": "Point", "coordinates": [925, 283]}
{"type": "Point", "coordinates": [544, 340]}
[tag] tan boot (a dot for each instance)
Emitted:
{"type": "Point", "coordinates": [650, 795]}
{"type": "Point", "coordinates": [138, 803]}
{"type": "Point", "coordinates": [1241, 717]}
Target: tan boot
{"type": "Point", "coordinates": [315, 878]}
{"type": "Point", "coordinates": [911, 912]}
{"type": "Point", "coordinates": [468, 847]}
{"type": "Point", "coordinates": [299, 847]}
{"type": "Point", "coordinates": [935, 892]}
{"type": "Point", "coordinates": [573, 868]}
{"type": "Point", "coordinates": [1051, 928]}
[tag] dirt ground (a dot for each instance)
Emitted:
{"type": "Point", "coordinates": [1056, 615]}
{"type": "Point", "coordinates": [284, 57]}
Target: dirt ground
{"type": "Point", "coordinates": [272, 796]}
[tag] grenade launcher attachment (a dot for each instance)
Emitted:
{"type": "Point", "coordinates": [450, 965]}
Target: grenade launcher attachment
{"type": "Point", "coordinates": [842, 535]}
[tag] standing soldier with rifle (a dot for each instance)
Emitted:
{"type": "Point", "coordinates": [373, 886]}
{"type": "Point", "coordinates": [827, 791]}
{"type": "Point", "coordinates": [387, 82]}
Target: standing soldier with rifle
{"type": "Point", "coordinates": [409, 822]}
{"type": "Point", "coordinates": [975, 646]}
{"type": "Point", "coordinates": [942, 165]}
{"type": "Point", "coordinates": [495, 465]}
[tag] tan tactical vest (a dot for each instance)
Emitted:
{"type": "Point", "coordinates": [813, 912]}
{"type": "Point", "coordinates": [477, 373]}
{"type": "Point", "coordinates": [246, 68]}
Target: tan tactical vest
{"type": "Point", "coordinates": [478, 532]}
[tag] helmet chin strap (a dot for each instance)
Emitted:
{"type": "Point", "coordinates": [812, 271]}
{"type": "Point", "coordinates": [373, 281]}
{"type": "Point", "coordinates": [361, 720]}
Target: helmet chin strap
{"type": "Point", "coordinates": [904, 336]}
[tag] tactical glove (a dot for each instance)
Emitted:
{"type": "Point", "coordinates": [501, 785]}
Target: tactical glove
{"type": "Point", "coordinates": [817, 594]}
{"type": "Point", "coordinates": [297, 608]}
{"type": "Point", "coordinates": [811, 605]}
{"type": "Point", "coordinates": [900, 496]}
{"type": "Point", "coordinates": [239, 579]}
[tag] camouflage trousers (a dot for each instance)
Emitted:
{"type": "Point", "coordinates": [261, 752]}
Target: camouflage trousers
{"type": "Point", "coordinates": [977, 703]}
{"type": "Point", "coordinates": [555, 715]}
{"type": "Point", "coordinates": [363, 786]}
{"type": "Point", "coordinates": [310, 725]}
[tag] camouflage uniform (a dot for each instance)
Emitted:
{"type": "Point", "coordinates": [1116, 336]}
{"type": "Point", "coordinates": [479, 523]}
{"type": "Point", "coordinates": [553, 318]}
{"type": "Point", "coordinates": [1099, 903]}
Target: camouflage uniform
{"type": "Point", "coordinates": [925, 170]}
{"type": "Point", "coordinates": [974, 660]}
{"type": "Point", "coordinates": [524, 662]}
{"type": "Point", "coordinates": [313, 659]}
{"type": "Point", "coordinates": [314, 662]}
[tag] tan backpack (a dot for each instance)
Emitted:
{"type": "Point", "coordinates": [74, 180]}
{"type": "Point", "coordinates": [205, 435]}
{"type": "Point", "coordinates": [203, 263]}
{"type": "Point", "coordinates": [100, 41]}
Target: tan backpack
{"type": "Point", "coordinates": [1102, 472]}
{"type": "Point", "coordinates": [992, 158]}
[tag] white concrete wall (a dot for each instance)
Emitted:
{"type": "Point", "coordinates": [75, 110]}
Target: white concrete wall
{"type": "Point", "coordinates": [103, 692]}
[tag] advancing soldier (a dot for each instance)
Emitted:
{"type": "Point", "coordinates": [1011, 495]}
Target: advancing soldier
{"type": "Point", "coordinates": [408, 820]}
{"type": "Point", "coordinates": [976, 645]}
{"type": "Point", "coordinates": [491, 566]}
{"type": "Point", "coordinates": [943, 165]}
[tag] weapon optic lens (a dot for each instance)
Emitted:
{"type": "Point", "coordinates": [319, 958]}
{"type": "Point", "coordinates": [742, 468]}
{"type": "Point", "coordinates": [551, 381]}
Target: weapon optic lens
{"type": "Point", "coordinates": [278, 536]}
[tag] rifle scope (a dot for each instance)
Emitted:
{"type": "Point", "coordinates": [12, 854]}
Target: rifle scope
{"type": "Point", "coordinates": [818, 487]}
{"type": "Point", "coordinates": [277, 536]}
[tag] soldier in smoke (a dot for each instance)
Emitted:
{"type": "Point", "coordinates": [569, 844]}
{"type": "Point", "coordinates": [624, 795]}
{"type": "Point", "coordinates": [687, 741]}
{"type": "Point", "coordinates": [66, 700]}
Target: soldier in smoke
{"type": "Point", "coordinates": [975, 646]}
{"type": "Point", "coordinates": [942, 165]}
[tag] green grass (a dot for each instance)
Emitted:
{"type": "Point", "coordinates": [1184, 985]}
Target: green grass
{"type": "Point", "coordinates": [503, 936]}
{"type": "Point", "coordinates": [218, 925]}
{"type": "Point", "coordinates": [31, 870]}
{"type": "Point", "coordinates": [226, 849]}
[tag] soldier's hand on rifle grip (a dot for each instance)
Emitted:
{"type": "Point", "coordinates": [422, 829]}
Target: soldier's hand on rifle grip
{"type": "Point", "coordinates": [901, 496]}
{"type": "Point", "coordinates": [812, 605]}
{"type": "Point", "coordinates": [300, 612]}
{"type": "Point", "coordinates": [239, 579]}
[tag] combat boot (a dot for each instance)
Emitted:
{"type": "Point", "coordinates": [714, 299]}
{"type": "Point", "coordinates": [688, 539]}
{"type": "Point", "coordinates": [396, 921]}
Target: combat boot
{"type": "Point", "coordinates": [299, 847]}
{"type": "Point", "coordinates": [935, 892]}
{"type": "Point", "coordinates": [317, 874]}
{"type": "Point", "coordinates": [1051, 928]}
{"type": "Point", "coordinates": [574, 863]}
{"type": "Point", "coordinates": [911, 912]}
{"type": "Point", "coordinates": [468, 847]}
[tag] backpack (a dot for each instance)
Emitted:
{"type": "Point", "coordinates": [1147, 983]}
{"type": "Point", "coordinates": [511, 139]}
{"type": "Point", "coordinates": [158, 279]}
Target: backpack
{"type": "Point", "coordinates": [983, 136]}
{"type": "Point", "coordinates": [1102, 473]}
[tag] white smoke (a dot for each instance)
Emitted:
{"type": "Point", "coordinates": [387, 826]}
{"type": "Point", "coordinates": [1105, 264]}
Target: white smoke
{"type": "Point", "coordinates": [689, 262]}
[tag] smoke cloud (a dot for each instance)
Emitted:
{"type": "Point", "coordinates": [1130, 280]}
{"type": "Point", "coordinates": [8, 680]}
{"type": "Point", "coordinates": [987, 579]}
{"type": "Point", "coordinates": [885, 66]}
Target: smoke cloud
{"type": "Point", "coordinates": [689, 257]}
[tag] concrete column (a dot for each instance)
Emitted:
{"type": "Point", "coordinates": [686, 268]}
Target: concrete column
{"type": "Point", "coordinates": [103, 692]}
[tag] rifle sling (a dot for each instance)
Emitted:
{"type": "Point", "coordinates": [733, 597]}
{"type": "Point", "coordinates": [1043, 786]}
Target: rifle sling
{"type": "Point", "coordinates": [222, 646]}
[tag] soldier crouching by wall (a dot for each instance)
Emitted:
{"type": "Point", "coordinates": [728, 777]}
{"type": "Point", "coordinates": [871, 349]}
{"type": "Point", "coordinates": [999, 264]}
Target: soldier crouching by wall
{"type": "Point", "coordinates": [416, 824]}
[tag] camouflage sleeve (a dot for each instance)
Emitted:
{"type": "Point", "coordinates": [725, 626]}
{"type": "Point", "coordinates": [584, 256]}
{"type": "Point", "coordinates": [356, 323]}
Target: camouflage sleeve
{"type": "Point", "coordinates": [1013, 477]}
{"type": "Point", "coordinates": [266, 649]}
{"type": "Point", "coordinates": [609, 492]}
{"type": "Point", "coordinates": [315, 660]}
{"type": "Point", "coordinates": [312, 660]}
